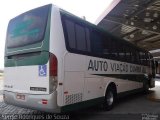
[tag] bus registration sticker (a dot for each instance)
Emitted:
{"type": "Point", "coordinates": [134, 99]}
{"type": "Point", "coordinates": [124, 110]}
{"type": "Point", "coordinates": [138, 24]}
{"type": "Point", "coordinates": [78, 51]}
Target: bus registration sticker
{"type": "Point", "coordinates": [42, 70]}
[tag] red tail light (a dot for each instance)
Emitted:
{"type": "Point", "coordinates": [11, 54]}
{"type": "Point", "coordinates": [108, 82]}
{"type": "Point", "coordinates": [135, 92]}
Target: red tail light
{"type": "Point", "coordinates": [53, 65]}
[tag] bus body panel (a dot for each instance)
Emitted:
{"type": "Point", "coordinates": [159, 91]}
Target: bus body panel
{"type": "Point", "coordinates": [57, 47]}
{"type": "Point", "coordinates": [26, 79]}
{"type": "Point", "coordinates": [84, 84]}
{"type": "Point", "coordinates": [74, 78]}
{"type": "Point", "coordinates": [93, 88]}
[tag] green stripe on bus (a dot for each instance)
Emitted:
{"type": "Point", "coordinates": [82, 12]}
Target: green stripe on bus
{"type": "Point", "coordinates": [33, 60]}
{"type": "Point", "coordinates": [130, 77]}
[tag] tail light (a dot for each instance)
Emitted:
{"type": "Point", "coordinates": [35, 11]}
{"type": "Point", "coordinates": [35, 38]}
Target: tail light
{"type": "Point", "coordinates": [53, 73]}
{"type": "Point", "coordinates": [53, 65]}
{"type": "Point", "coordinates": [4, 96]}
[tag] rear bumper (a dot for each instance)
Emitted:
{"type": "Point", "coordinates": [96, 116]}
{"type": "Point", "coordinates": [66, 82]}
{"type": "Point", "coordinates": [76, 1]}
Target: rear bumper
{"type": "Point", "coordinates": [33, 101]}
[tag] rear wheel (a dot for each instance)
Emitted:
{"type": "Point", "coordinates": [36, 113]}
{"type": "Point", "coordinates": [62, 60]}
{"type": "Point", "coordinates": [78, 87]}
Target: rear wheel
{"type": "Point", "coordinates": [110, 99]}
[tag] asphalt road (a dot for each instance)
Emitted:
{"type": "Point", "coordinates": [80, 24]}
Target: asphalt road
{"type": "Point", "coordinates": [133, 107]}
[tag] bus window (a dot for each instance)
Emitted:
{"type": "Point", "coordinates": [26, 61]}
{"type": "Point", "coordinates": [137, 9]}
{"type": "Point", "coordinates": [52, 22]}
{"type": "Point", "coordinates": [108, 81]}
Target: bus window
{"type": "Point", "coordinates": [141, 57]}
{"type": "Point", "coordinates": [121, 52]}
{"type": "Point", "coordinates": [137, 57]}
{"type": "Point", "coordinates": [114, 49]}
{"type": "Point", "coordinates": [96, 45]}
{"type": "Point", "coordinates": [145, 57]}
{"type": "Point", "coordinates": [107, 46]}
{"type": "Point", "coordinates": [128, 54]}
{"type": "Point", "coordinates": [77, 36]}
{"type": "Point", "coordinates": [88, 40]}
{"type": "Point", "coordinates": [80, 37]}
{"type": "Point", "coordinates": [70, 33]}
{"type": "Point", "coordinates": [27, 28]}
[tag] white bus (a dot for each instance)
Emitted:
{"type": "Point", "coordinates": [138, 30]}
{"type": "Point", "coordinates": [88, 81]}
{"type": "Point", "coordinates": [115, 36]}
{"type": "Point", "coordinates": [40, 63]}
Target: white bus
{"type": "Point", "coordinates": [57, 62]}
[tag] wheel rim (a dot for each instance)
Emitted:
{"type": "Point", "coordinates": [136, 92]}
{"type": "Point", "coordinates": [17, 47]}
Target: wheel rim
{"type": "Point", "coordinates": [110, 98]}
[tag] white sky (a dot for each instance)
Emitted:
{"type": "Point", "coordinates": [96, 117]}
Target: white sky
{"type": "Point", "coordinates": [91, 9]}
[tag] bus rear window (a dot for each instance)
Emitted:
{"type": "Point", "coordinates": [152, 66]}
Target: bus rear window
{"type": "Point", "coordinates": [27, 28]}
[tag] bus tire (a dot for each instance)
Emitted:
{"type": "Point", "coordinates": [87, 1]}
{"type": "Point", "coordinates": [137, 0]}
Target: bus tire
{"type": "Point", "coordinates": [110, 98]}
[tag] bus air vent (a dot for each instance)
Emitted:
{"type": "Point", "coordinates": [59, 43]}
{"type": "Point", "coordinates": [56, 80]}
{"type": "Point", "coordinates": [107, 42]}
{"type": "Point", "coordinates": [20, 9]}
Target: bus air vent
{"type": "Point", "coordinates": [74, 98]}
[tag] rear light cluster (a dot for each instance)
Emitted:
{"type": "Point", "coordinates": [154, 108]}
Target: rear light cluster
{"type": "Point", "coordinates": [53, 72]}
{"type": "Point", "coordinates": [4, 96]}
{"type": "Point", "coordinates": [53, 65]}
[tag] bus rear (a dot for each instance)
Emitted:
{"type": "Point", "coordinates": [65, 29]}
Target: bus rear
{"type": "Point", "coordinates": [30, 68]}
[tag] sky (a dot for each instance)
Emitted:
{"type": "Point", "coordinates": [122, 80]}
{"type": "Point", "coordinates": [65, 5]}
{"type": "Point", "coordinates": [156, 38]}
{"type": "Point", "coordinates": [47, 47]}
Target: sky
{"type": "Point", "coordinates": [91, 9]}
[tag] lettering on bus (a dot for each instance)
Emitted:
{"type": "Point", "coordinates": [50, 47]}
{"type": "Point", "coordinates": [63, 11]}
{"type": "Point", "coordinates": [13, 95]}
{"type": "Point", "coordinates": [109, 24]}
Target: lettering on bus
{"type": "Point", "coordinates": [144, 70]}
{"type": "Point", "coordinates": [134, 69]}
{"type": "Point", "coordinates": [98, 65]}
{"type": "Point", "coordinates": [112, 67]}
{"type": "Point", "coordinates": [119, 67]}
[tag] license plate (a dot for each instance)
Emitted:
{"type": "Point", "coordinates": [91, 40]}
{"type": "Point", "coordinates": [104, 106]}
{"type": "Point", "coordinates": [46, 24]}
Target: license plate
{"type": "Point", "coordinates": [20, 96]}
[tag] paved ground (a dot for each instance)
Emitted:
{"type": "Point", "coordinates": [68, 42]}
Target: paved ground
{"type": "Point", "coordinates": [133, 107]}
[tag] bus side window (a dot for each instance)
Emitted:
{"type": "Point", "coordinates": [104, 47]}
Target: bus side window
{"type": "Point", "coordinates": [71, 38]}
{"type": "Point", "coordinates": [128, 54]}
{"type": "Point", "coordinates": [147, 56]}
{"type": "Point", "coordinates": [121, 51]}
{"type": "Point", "coordinates": [113, 49]}
{"type": "Point", "coordinates": [80, 38]}
{"type": "Point", "coordinates": [145, 60]}
{"type": "Point", "coordinates": [96, 45]}
{"type": "Point", "coordinates": [140, 62]}
{"type": "Point", "coordinates": [88, 42]}
{"type": "Point", "coordinates": [77, 36]}
{"type": "Point", "coordinates": [137, 57]}
{"type": "Point", "coordinates": [106, 46]}
{"type": "Point", "coordinates": [141, 58]}
{"type": "Point", "coordinates": [132, 57]}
